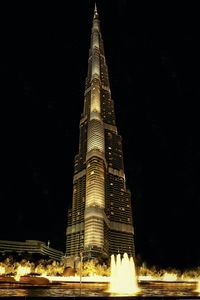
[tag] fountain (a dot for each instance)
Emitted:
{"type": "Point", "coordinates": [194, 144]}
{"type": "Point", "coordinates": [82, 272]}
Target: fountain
{"type": "Point", "coordinates": [123, 276]}
{"type": "Point", "coordinates": [198, 287]}
{"type": "Point", "coordinates": [21, 271]}
{"type": "Point", "coordinates": [122, 282]}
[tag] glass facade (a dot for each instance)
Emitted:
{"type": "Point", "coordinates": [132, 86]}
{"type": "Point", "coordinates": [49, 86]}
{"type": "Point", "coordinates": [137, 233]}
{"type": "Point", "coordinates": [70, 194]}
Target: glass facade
{"type": "Point", "coordinates": [100, 219]}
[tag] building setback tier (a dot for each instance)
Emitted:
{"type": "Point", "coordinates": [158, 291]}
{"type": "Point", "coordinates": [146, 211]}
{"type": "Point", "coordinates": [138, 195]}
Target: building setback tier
{"type": "Point", "coordinates": [100, 219]}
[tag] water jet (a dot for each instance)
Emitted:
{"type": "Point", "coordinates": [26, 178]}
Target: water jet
{"type": "Point", "coordinates": [123, 275]}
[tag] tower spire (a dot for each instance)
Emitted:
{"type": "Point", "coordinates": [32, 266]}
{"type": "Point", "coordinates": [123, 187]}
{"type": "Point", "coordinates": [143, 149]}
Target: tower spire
{"type": "Point", "coordinates": [95, 11]}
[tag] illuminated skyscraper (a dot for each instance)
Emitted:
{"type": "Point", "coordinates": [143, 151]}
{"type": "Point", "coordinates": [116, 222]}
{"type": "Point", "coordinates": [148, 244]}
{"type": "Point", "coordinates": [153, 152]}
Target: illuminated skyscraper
{"type": "Point", "coordinates": [100, 220]}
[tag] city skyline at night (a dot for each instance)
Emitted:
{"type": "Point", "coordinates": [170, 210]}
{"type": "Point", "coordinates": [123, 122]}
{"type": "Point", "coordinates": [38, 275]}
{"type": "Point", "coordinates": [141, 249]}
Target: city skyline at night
{"type": "Point", "coordinates": [153, 58]}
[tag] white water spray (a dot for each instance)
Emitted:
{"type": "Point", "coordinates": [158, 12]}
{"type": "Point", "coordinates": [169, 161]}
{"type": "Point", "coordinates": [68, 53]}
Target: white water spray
{"type": "Point", "coordinates": [123, 275]}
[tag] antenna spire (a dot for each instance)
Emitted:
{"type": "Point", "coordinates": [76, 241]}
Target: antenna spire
{"type": "Point", "coordinates": [95, 11]}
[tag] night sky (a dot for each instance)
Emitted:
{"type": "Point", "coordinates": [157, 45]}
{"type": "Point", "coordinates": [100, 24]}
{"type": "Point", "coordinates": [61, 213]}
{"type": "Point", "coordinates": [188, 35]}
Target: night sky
{"type": "Point", "coordinates": [152, 54]}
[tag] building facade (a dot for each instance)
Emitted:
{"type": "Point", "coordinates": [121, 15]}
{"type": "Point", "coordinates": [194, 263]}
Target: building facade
{"type": "Point", "coordinates": [100, 219]}
{"type": "Point", "coordinates": [31, 247]}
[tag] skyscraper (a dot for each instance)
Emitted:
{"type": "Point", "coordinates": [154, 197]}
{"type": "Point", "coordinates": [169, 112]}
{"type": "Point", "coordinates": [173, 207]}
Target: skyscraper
{"type": "Point", "coordinates": [100, 220]}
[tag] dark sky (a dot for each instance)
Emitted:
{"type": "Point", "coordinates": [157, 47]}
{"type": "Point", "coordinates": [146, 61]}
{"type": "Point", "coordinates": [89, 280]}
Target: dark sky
{"type": "Point", "coordinates": [152, 54]}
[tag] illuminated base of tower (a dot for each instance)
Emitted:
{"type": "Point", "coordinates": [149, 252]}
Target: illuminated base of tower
{"type": "Point", "coordinates": [94, 253]}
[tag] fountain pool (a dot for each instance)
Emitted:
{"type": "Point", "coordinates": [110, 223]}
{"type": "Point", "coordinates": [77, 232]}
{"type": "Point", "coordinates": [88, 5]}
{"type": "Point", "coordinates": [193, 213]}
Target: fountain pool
{"type": "Point", "coordinates": [65, 290]}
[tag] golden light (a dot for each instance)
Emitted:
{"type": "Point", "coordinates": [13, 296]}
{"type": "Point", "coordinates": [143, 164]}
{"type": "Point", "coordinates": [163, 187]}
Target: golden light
{"type": "Point", "coordinates": [198, 288]}
{"type": "Point", "coordinates": [2, 270]}
{"type": "Point", "coordinates": [76, 278]}
{"type": "Point", "coordinates": [21, 271]}
{"type": "Point", "coordinates": [123, 276]}
{"type": "Point", "coordinates": [169, 277]}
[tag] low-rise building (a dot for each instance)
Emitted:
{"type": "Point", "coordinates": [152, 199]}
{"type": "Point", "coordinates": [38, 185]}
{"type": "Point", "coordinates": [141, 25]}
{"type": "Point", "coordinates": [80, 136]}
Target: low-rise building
{"type": "Point", "coordinates": [31, 247]}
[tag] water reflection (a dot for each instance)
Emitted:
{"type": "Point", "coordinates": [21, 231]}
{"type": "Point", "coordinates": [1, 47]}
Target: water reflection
{"type": "Point", "coordinates": [147, 290]}
{"type": "Point", "coordinates": [13, 292]}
